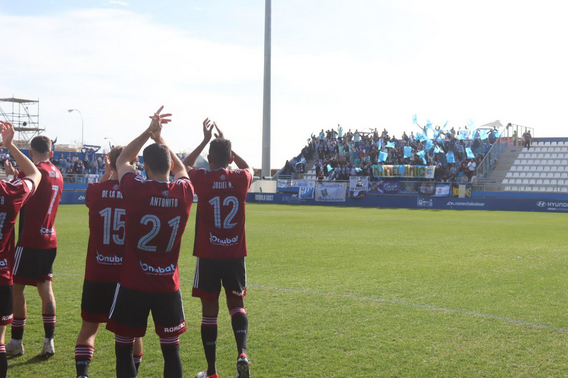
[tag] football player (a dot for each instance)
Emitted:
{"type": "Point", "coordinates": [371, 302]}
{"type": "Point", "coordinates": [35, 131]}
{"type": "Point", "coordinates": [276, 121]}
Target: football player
{"type": "Point", "coordinates": [220, 244]}
{"type": "Point", "coordinates": [12, 197]}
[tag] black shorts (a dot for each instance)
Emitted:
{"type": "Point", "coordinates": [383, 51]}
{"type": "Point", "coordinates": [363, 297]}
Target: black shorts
{"type": "Point", "coordinates": [32, 266]}
{"type": "Point", "coordinates": [130, 309]}
{"type": "Point", "coordinates": [211, 273]}
{"type": "Point", "coordinates": [6, 305]}
{"type": "Point", "coordinates": [97, 300]}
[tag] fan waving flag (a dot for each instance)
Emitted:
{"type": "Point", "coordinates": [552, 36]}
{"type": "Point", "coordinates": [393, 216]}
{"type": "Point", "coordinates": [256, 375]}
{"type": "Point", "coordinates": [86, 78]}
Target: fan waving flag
{"type": "Point", "coordinates": [407, 151]}
{"type": "Point", "coordinates": [422, 154]}
{"type": "Point", "coordinates": [383, 156]}
{"type": "Point", "coordinates": [450, 158]}
{"type": "Point", "coordinates": [437, 150]}
{"type": "Point", "coordinates": [390, 145]}
{"type": "Point", "coordinates": [469, 153]}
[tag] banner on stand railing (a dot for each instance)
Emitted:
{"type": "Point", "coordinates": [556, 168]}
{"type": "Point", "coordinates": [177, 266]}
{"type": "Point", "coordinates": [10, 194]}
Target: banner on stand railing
{"type": "Point", "coordinates": [303, 183]}
{"type": "Point", "coordinates": [358, 183]}
{"type": "Point", "coordinates": [331, 191]}
{"type": "Point", "coordinates": [306, 192]}
{"type": "Point", "coordinates": [407, 171]}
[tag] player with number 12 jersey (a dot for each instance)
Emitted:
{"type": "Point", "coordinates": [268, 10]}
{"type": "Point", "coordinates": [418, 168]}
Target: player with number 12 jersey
{"type": "Point", "coordinates": [220, 227]}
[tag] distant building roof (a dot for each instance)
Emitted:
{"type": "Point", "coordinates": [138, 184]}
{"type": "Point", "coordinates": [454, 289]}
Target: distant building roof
{"type": "Point", "coordinates": [18, 100]}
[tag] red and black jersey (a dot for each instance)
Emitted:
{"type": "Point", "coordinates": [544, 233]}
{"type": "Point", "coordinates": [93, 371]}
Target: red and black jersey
{"type": "Point", "coordinates": [39, 212]}
{"type": "Point", "coordinates": [220, 224]}
{"type": "Point", "coordinates": [107, 217]}
{"type": "Point", "coordinates": [156, 216]}
{"type": "Point", "coordinates": [13, 195]}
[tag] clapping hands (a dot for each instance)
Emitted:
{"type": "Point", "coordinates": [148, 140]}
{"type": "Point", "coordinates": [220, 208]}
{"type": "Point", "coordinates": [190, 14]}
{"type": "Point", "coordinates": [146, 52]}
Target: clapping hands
{"type": "Point", "coordinates": [208, 130]}
{"type": "Point", "coordinates": [155, 128]}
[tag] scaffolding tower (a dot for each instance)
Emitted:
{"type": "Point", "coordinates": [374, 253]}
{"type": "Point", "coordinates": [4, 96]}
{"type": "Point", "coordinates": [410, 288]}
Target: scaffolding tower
{"type": "Point", "coordinates": [24, 115]}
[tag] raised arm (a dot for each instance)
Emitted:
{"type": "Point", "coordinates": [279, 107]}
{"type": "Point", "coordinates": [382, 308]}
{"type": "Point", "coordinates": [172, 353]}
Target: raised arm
{"type": "Point", "coordinates": [239, 161]}
{"type": "Point", "coordinates": [178, 169]}
{"type": "Point", "coordinates": [133, 148]}
{"type": "Point", "coordinates": [190, 160]}
{"type": "Point", "coordinates": [108, 170]}
{"type": "Point", "coordinates": [26, 165]}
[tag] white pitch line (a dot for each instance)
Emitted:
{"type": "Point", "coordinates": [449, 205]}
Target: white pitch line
{"type": "Point", "coordinates": [391, 301]}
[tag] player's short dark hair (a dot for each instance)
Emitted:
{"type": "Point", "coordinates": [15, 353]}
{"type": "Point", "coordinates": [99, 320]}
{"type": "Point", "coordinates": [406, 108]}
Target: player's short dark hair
{"type": "Point", "coordinates": [41, 144]}
{"type": "Point", "coordinates": [114, 154]}
{"type": "Point", "coordinates": [158, 158]}
{"type": "Point", "coordinates": [220, 151]}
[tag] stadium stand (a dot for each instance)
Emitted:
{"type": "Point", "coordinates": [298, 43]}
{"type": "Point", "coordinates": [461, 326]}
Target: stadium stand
{"type": "Point", "coordinates": [542, 168]}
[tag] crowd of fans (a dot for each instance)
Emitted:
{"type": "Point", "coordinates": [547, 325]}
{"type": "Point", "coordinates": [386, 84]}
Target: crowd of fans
{"type": "Point", "coordinates": [76, 167]}
{"type": "Point", "coordinates": [339, 155]}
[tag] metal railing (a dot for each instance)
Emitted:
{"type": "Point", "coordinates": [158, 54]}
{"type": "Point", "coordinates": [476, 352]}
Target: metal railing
{"type": "Point", "coordinates": [491, 158]}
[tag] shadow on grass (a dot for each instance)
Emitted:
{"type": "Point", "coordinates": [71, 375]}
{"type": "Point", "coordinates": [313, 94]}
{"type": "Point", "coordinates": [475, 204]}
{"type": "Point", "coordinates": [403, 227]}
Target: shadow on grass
{"type": "Point", "coordinates": [33, 360]}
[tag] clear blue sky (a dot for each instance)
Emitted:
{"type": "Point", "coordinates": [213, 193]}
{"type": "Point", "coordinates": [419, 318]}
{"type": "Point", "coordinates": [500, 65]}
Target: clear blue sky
{"type": "Point", "coordinates": [361, 63]}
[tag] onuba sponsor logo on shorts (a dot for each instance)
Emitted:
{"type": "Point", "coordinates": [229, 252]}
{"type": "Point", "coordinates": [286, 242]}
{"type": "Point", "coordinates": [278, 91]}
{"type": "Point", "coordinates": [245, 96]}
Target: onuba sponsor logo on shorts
{"type": "Point", "coordinates": [161, 271]}
{"type": "Point", "coordinates": [215, 240]}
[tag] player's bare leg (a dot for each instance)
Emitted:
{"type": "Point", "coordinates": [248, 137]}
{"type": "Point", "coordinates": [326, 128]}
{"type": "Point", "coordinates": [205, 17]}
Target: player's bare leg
{"type": "Point", "coordinates": [138, 352]}
{"type": "Point", "coordinates": [85, 348]}
{"type": "Point", "coordinates": [48, 312]}
{"type": "Point", "coordinates": [239, 321]}
{"type": "Point", "coordinates": [15, 347]}
{"type": "Point", "coordinates": [3, 361]}
{"type": "Point", "coordinates": [210, 311]}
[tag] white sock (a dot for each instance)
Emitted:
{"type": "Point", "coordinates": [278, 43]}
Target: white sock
{"type": "Point", "coordinates": [14, 341]}
{"type": "Point", "coordinates": [46, 340]}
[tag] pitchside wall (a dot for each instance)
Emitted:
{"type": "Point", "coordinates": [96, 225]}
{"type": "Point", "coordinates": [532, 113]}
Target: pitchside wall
{"type": "Point", "coordinates": [543, 202]}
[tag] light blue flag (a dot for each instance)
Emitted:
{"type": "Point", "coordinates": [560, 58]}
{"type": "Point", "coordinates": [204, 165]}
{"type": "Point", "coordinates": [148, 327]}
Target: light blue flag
{"type": "Point", "coordinates": [380, 144]}
{"type": "Point", "coordinates": [358, 169]}
{"type": "Point", "coordinates": [463, 134]}
{"type": "Point", "coordinates": [407, 151]}
{"type": "Point", "coordinates": [483, 134]}
{"type": "Point", "coordinates": [437, 150]}
{"type": "Point", "coordinates": [469, 153]}
{"type": "Point", "coordinates": [429, 144]}
{"type": "Point", "coordinates": [470, 123]}
{"type": "Point", "coordinates": [422, 154]}
{"type": "Point", "coordinates": [383, 156]}
{"type": "Point", "coordinates": [428, 124]}
{"type": "Point", "coordinates": [390, 145]}
{"type": "Point", "coordinates": [329, 169]}
{"type": "Point", "coordinates": [450, 158]}
{"type": "Point", "coordinates": [414, 119]}
{"type": "Point", "coordinates": [421, 137]}
{"type": "Point", "coordinates": [445, 124]}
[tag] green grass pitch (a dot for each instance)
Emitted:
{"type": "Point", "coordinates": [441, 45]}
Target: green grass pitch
{"type": "Point", "coordinates": [350, 292]}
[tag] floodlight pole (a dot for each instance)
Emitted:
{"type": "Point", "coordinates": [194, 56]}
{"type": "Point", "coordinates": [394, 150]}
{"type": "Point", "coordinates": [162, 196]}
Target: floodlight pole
{"type": "Point", "coordinates": [266, 98]}
{"type": "Point", "coordinates": [82, 126]}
